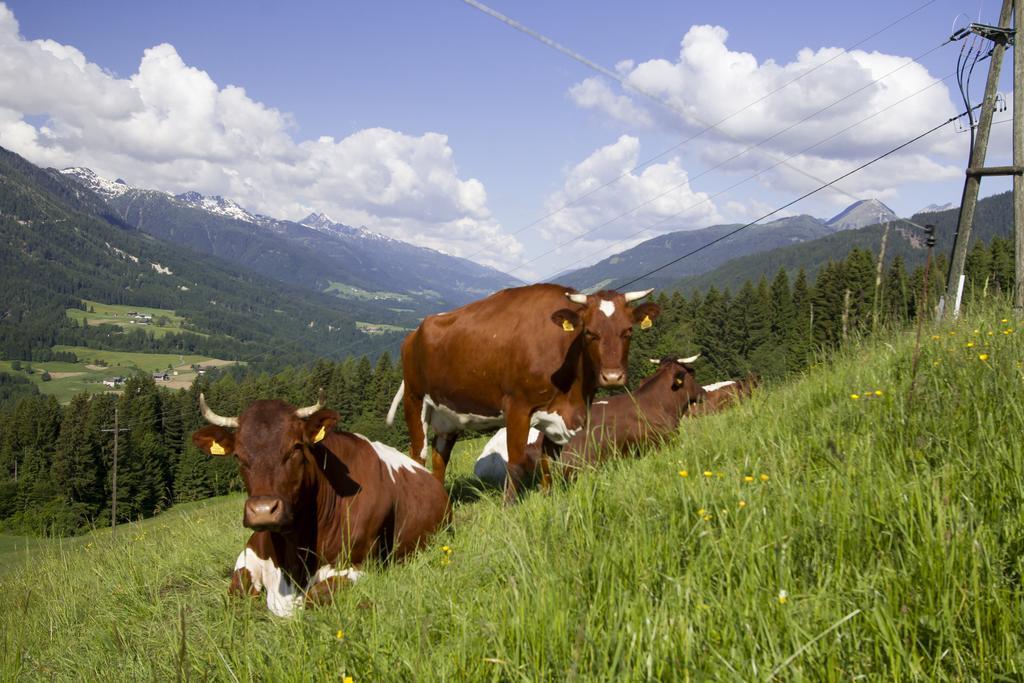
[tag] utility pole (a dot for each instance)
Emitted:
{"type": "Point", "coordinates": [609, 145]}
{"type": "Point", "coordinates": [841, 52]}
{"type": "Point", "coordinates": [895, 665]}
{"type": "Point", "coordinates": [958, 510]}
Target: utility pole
{"type": "Point", "coordinates": [113, 492]}
{"type": "Point", "coordinates": [1000, 35]}
{"type": "Point", "coordinates": [1018, 157]}
{"type": "Point", "coordinates": [878, 278]}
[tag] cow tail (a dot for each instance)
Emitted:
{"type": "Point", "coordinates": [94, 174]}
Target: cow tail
{"type": "Point", "coordinates": [395, 401]}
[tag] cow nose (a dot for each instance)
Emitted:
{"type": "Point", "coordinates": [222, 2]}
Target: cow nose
{"type": "Point", "coordinates": [264, 513]}
{"type": "Point", "coordinates": [613, 378]}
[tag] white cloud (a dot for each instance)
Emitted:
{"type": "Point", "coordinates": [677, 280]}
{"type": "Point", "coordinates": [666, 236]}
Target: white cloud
{"type": "Point", "coordinates": [640, 204]}
{"type": "Point", "coordinates": [170, 126]}
{"type": "Point", "coordinates": [708, 83]}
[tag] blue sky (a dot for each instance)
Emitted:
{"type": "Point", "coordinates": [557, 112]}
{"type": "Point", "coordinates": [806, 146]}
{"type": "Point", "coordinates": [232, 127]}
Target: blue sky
{"type": "Point", "coordinates": [450, 129]}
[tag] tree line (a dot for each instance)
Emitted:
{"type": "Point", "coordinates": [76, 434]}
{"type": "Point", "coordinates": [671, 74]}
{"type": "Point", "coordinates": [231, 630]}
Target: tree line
{"type": "Point", "coordinates": [55, 461]}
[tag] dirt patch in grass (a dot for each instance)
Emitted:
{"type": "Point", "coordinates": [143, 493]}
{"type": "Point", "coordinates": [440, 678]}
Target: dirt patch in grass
{"type": "Point", "coordinates": [62, 375]}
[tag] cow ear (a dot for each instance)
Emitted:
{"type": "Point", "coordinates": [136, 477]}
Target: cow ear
{"type": "Point", "coordinates": [645, 314]}
{"type": "Point", "coordinates": [320, 424]}
{"type": "Point", "coordinates": [567, 319]}
{"type": "Point", "coordinates": [214, 440]}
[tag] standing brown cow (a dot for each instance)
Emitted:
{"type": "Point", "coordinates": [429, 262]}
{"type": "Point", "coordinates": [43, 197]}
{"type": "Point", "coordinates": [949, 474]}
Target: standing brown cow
{"type": "Point", "coordinates": [318, 499]}
{"type": "Point", "coordinates": [626, 422]}
{"type": "Point", "coordinates": [525, 357]}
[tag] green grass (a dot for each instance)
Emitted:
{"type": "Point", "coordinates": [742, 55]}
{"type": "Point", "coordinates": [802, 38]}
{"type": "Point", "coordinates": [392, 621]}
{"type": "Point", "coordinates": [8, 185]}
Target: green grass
{"type": "Point", "coordinates": [131, 359]}
{"type": "Point", "coordinates": [88, 377]}
{"type": "Point", "coordinates": [378, 328]}
{"type": "Point", "coordinates": [344, 291]}
{"type": "Point", "coordinates": [896, 534]}
{"type": "Point", "coordinates": [98, 313]}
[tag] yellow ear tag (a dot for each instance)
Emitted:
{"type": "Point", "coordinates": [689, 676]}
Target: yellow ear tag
{"type": "Point", "coordinates": [646, 322]}
{"type": "Point", "coordinates": [567, 326]}
{"type": "Point", "coordinates": [320, 435]}
{"type": "Point", "coordinates": [217, 449]}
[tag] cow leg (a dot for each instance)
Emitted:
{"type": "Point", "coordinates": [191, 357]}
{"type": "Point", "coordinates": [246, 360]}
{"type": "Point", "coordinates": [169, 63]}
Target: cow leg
{"type": "Point", "coordinates": [242, 585]}
{"type": "Point", "coordinates": [517, 429]}
{"type": "Point", "coordinates": [549, 450]}
{"type": "Point", "coordinates": [322, 593]}
{"type": "Point", "coordinates": [442, 453]}
{"type": "Point", "coordinates": [413, 408]}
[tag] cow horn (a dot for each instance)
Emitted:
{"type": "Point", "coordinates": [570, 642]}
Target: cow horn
{"type": "Point", "coordinates": [577, 298]}
{"type": "Point", "coordinates": [213, 418]}
{"type": "Point", "coordinates": [309, 410]}
{"type": "Point", "coordinates": [633, 296]}
{"type": "Point", "coordinates": [655, 361]}
{"type": "Point", "coordinates": [687, 361]}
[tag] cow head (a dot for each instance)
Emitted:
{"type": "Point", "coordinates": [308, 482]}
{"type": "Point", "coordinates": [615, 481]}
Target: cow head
{"type": "Point", "coordinates": [606, 324]}
{"type": "Point", "coordinates": [272, 442]}
{"type": "Point", "coordinates": [684, 379]}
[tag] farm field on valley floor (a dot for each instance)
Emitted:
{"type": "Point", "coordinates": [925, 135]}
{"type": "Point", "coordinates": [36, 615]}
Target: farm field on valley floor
{"type": "Point", "coordinates": [69, 379]}
{"type": "Point", "coordinates": [827, 529]}
{"type": "Point", "coordinates": [161, 320]}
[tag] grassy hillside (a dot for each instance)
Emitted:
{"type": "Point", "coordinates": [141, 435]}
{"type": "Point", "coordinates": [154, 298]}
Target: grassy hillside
{"type": "Point", "coordinates": [808, 535]}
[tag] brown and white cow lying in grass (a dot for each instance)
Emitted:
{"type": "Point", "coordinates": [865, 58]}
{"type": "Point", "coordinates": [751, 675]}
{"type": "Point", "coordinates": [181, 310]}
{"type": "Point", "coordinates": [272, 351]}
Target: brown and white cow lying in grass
{"type": "Point", "coordinates": [721, 395]}
{"type": "Point", "coordinates": [618, 425]}
{"type": "Point", "coordinates": [318, 499]}
{"type": "Point", "coordinates": [623, 424]}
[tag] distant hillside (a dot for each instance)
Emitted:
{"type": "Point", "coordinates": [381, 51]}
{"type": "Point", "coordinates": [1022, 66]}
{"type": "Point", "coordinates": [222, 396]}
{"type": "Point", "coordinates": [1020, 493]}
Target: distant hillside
{"type": "Point", "coordinates": [315, 253]}
{"type": "Point", "coordinates": [662, 249]}
{"type": "Point", "coordinates": [994, 217]}
{"type": "Point", "coordinates": [59, 245]}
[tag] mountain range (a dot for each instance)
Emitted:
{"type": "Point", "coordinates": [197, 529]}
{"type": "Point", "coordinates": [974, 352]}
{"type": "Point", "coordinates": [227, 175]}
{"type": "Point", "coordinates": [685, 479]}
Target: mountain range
{"type": "Point", "coordinates": [315, 253]}
{"type": "Point", "coordinates": [61, 244]}
{"type": "Point", "coordinates": [757, 238]}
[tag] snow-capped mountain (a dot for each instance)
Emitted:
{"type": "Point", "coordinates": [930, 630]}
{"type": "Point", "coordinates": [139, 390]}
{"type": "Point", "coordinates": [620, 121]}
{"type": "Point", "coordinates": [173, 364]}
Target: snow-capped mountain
{"type": "Point", "coordinates": [935, 208]}
{"type": "Point", "coordinates": [108, 189]}
{"type": "Point", "coordinates": [218, 205]}
{"type": "Point", "coordinates": [861, 214]}
{"type": "Point", "coordinates": [316, 252]}
{"type": "Point", "coordinates": [322, 223]}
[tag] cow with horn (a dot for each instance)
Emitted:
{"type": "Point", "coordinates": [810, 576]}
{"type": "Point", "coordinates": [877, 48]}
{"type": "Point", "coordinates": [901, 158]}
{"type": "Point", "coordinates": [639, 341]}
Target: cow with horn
{"type": "Point", "coordinates": [318, 500]}
{"type": "Point", "coordinates": [625, 423]}
{"type": "Point", "coordinates": [524, 357]}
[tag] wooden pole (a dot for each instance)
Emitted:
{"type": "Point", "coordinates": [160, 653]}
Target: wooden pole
{"type": "Point", "coordinates": [113, 497]}
{"type": "Point", "coordinates": [1018, 155]}
{"type": "Point", "coordinates": [878, 277]}
{"type": "Point", "coordinates": [113, 478]}
{"type": "Point", "coordinates": [972, 185]}
{"type": "Point", "coordinates": [846, 312]}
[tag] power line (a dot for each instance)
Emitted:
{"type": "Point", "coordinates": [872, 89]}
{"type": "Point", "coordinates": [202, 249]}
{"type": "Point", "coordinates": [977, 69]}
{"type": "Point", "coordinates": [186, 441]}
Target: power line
{"type": "Point", "coordinates": [649, 160]}
{"type": "Point", "coordinates": [589, 63]}
{"type": "Point", "coordinates": [665, 219]}
{"type": "Point", "coordinates": [794, 201]}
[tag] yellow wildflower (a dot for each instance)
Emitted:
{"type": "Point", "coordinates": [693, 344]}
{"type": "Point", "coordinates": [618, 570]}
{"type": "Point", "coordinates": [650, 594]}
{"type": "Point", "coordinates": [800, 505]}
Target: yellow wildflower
{"type": "Point", "coordinates": [1007, 331]}
{"type": "Point", "coordinates": [347, 679]}
{"type": "Point", "coordinates": [446, 550]}
{"type": "Point", "coordinates": [952, 334]}
{"type": "Point", "coordinates": [701, 512]}
{"type": "Point", "coordinates": [982, 356]}
{"type": "Point", "coordinates": [970, 345]}
{"type": "Point", "coordinates": [708, 473]}
{"type": "Point", "coordinates": [684, 474]}
{"type": "Point", "coordinates": [748, 478]}
{"type": "Point", "coordinates": [764, 477]}
{"type": "Point", "coordinates": [1005, 320]}
{"type": "Point", "coordinates": [743, 503]}
{"type": "Point", "coordinates": [783, 597]}
{"type": "Point", "coordinates": [340, 635]}
{"type": "Point", "coordinates": [977, 332]}
{"type": "Point", "coordinates": [854, 397]}
{"type": "Point", "coordinates": [935, 336]}
{"type": "Point", "coordinates": [878, 392]}
{"type": "Point", "coordinates": [935, 362]}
